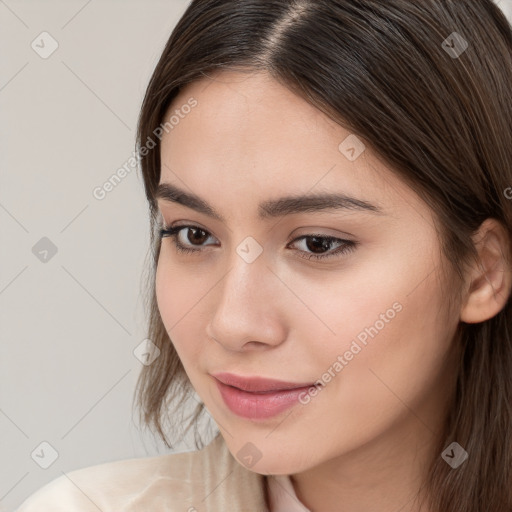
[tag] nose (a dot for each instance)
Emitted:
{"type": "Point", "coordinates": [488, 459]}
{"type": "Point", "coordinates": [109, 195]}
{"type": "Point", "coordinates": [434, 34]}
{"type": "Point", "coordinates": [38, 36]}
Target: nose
{"type": "Point", "coordinates": [247, 314]}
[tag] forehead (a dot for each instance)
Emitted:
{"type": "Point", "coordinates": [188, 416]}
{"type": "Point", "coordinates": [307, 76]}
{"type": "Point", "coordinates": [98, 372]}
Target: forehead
{"type": "Point", "coordinates": [249, 112]}
{"type": "Point", "coordinates": [249, 136]}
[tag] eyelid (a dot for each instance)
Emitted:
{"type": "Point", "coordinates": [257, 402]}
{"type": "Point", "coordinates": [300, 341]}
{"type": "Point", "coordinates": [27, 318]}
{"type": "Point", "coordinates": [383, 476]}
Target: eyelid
{"type": "Point", "coordinates": [188, 224]}
{"type": "Point", "coordinates": [320, 232]}
{"type": "Point", "coordinates": [168, 210]}
{"type": "Point", "coordinates": [306, 231]}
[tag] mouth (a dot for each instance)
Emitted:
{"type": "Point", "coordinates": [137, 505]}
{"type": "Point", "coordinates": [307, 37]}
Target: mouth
{"type": "Point", "coordinates": [258, 398]}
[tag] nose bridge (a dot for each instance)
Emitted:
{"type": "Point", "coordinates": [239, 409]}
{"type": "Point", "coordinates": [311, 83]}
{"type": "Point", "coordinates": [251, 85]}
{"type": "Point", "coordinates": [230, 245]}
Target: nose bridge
{"type": "Point", "coordinates": [247, 268]}
{"type": "Point", "coordinates": [244, 309]}
{"type": "Point", "coordinates": [242, 287]}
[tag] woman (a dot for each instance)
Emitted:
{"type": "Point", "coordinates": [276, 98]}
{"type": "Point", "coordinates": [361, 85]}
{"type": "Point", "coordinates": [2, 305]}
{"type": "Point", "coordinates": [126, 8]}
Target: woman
{"type": "Point", "coordinates": [330, 188]}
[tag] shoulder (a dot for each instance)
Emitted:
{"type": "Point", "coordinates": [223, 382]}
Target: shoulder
{"type": "Point", "coordinates": [207, 479]}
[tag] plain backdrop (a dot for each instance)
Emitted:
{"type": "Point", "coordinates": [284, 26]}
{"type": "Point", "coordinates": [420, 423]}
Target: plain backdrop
{"type": "Point", "coordinates": [72, 78]}
{"type": "Point", "coordinates": [71, 303]}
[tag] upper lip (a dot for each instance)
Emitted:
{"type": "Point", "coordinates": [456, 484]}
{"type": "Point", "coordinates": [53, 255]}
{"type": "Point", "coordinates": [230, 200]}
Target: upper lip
{"type": "Point", "coordinates": [257, 384]}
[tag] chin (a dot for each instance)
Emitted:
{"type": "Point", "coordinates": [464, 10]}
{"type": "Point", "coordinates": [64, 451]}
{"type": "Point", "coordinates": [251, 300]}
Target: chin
{"type": "Point", "coordinates": [282, 461]}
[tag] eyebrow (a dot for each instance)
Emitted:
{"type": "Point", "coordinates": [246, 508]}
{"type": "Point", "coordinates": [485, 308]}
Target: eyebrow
{"type": "Point", "coordinates": [274, 207]}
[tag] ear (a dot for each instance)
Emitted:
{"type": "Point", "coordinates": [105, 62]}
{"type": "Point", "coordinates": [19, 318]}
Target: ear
{"type": "Point", "coordinates": [489, 280]}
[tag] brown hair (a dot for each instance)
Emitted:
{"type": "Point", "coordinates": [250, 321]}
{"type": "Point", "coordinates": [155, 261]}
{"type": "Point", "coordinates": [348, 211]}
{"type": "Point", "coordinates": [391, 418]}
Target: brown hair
{"type": "Point", "coordinates": [442, 120]}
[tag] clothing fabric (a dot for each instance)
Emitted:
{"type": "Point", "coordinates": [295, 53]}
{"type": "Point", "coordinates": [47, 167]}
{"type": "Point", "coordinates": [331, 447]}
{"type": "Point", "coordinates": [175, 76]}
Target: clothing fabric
{"type": "Point", "coordinates": [206, 480]}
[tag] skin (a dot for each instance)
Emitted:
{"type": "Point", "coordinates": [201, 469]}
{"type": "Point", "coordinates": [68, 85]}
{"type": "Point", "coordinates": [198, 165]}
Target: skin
{"type": "Point", "coordinates": [364, 441]}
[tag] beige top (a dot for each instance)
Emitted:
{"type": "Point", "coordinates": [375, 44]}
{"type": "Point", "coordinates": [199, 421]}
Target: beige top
{"type": "Point", "coordinates": [207, 480]}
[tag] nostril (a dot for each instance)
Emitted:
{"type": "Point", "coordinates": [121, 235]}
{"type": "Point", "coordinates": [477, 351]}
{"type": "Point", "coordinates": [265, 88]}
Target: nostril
{"type": "Point", "coordinates": [255, 344]}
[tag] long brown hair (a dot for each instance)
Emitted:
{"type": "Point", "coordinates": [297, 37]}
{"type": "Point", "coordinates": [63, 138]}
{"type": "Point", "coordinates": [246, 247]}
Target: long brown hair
{"type": "Point", "coordinates": [427, 85]}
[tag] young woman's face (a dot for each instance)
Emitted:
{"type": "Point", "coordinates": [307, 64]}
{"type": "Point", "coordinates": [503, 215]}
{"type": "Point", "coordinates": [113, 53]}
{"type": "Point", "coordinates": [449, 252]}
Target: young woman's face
{"type": "Point", "coordinates": [367, 323]}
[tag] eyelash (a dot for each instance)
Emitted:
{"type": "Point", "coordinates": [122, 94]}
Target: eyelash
{"type": "Point", "coordinates": [348, 245]}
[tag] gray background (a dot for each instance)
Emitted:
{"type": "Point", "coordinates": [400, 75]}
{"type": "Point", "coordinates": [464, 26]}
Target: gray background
{"type": "Point", "coordinates": [68, 326]}
{"type": "Point", "coordinates": [69, 323]}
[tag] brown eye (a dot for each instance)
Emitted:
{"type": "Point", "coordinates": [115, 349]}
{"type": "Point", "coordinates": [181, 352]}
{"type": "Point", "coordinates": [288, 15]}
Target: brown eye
{"type": "Point", "coordinates": [319, 247]}
{"type": "Point", "coordinates": [195, 237]}
{"type": "Point", "coordinates": [198, 235]}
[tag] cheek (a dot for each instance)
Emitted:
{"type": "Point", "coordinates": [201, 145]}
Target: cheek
{"type": "Point", "coordinates": [388, 331]}
{"type": "Point", "coordinates": [177, 299]}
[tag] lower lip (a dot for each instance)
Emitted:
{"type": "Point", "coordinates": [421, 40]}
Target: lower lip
{"type": "Point", "coordinates": [259, 405]}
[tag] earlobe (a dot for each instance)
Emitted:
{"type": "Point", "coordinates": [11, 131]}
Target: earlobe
{"type": "Point", "coordinates": [490, 278]}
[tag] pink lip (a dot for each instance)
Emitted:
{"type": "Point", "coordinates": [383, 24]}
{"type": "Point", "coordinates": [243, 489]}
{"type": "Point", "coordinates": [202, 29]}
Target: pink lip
{"type": "Point", "coordinates": [257, 397]}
